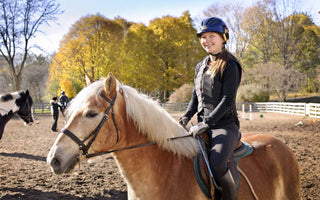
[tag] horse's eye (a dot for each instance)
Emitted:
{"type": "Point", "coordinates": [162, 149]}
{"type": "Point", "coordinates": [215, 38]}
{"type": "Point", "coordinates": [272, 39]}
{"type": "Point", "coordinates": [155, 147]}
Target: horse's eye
{"type": "Point", "coordinates": [91, 114]}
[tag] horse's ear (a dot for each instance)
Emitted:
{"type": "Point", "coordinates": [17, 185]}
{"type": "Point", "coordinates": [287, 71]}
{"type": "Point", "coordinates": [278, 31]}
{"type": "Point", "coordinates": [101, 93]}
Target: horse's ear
{"type": "Point", "coordinates": [27, 92]}
{"type": "Point", "coordinates": [110, 85]}
{"type": "Point", "coordinates": [88, 79]}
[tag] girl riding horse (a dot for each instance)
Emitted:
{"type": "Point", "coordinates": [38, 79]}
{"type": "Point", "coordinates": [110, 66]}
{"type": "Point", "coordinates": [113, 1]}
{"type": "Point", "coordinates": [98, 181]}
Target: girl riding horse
{"type": "Point", "coordinates": [107, 117]}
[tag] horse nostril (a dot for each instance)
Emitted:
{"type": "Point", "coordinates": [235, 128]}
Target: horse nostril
{"type": "Point", "coordinates": [55, 164]}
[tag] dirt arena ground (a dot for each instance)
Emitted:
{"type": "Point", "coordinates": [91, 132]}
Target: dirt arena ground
{"type": "Point", "coordinates": [24, 173]}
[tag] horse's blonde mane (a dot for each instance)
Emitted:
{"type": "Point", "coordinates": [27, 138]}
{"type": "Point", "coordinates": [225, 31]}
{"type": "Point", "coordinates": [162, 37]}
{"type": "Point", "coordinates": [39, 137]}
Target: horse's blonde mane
{"type": "Point", "coordinates": [157, 124]}
{"type": "Point", "coordinates": [149, 117]}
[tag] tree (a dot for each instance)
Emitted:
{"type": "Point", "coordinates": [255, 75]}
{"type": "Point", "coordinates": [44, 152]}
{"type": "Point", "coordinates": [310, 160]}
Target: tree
{"type": "Point", "coordinates": [20, 21]}
{"type": "Point", "coordinates": [232, 14]}
{"type": "Point", "coordinates": [35, 77]}
{"type": "Point", "coordinates": [289, 38]}
{"type": "Point", "coordinates": [93, 46]}
{"type": "Point", "coordinates": [178, 49]}
{"type": "Point", "coordinates": [5, 77]}
{"type": "Point", "coordinates": [154, 59]}
{"type": "Point", "coordinates": [257, 24]}
{"type": "Point", "coordinates": [140, 60]}
{"type": "Point", "coordinates": [264, 79]}
{"type": "Point", "coordinates": [280, 36]}
{"type": "Point", "coordinates": [307, 57]}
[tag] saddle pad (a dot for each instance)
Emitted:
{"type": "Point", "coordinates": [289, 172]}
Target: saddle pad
{"type": "Point", "coordinates": [198, 172]}
{"type": "Point", "coordinates": [245, 150]}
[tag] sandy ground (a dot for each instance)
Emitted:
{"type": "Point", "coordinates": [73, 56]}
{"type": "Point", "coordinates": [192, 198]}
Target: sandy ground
{"type": "Point", "coordinates": [24, 173]}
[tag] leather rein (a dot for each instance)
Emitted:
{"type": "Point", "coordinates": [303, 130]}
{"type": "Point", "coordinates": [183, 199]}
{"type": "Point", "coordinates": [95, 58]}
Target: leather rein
{"type": "Point", "coordinates": [85, 148]}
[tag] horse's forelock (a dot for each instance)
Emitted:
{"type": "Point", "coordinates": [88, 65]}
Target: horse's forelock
{"type": "Point", "coordinates": [89, 93]}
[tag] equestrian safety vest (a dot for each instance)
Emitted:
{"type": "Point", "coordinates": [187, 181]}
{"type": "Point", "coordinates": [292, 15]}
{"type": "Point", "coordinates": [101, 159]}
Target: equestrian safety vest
{"type": "Point", "coordinates": [214, 103]}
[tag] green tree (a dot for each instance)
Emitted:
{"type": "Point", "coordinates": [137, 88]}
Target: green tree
{"type": "Point", "coordinates": [281, 38]}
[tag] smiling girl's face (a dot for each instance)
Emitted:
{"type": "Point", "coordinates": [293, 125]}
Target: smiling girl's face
{"type": "Point", "coordinates": [212, 42]}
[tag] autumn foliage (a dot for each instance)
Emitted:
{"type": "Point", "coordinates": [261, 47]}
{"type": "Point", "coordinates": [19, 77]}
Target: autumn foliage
{"type": "Point", "coordinates": [279, 52]}
{"type": "Point", "coordinates": [155, 59]}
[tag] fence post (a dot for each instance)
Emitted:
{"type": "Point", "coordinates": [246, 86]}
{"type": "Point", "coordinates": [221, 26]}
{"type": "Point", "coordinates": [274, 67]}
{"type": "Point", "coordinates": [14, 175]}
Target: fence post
{"type": "Point", "coordinates": [250, 111]}
{"type": "Point", "coordinates": [307, 109]}
{"type": "Point", "coordinates": [243, 111]}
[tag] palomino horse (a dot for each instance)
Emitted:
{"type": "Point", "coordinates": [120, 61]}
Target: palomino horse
{"type": "Point", "coordinates": [109, 117]}
{"type": "Point", "coordinates": [16, 102]}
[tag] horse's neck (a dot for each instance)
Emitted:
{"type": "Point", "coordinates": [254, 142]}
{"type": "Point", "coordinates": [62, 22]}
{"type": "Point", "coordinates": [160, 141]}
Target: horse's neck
{"type": "Point", "coordinates": [3, 121]}
{"type": "Point", "coordinates": [149, 168]}
{"type": "Point", "coordinates": [6, 116]}
{"type": "Point", "coordinates": [143, 167]}
{"type": "Point", "coordinates": [7, 110]}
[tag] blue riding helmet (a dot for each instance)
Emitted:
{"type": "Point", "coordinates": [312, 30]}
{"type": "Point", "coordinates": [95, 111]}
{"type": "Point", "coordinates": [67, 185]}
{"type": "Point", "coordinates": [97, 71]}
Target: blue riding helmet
{"type": "Point", "coordinates": [214, 24]}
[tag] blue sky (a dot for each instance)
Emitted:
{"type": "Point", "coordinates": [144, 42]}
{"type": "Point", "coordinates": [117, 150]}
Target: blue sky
{"type": "Point", "coordinates": [131, 10]}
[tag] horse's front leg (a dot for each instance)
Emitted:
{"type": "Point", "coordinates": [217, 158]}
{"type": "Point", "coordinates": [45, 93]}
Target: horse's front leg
{"type": "Point", "coordinates": [2, 124]}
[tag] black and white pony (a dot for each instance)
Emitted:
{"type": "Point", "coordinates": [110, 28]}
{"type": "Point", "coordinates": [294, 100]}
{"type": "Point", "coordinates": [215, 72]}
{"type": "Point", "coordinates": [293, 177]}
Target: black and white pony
{"type": "Point", "coordinates": [16, 102]}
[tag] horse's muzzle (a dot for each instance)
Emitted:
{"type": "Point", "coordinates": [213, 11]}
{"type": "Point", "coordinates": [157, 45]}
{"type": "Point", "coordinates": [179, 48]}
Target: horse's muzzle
{"type": "Point", "coordinates": [58, 168]}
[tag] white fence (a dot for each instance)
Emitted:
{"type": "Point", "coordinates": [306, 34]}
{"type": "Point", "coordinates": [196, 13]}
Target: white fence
{"type": "Point", "coordinates": [313, 110]}
{"type": "Point", "coordinates": [175, 107]}
{"type": "Point", "coordinates": [303, 109]}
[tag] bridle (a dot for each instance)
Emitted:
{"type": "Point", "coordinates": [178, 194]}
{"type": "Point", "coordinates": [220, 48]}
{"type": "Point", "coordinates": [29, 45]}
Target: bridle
{"type": "Point", "coordinates": [82, 146]}
{"type": "Point", "coordinates": [85, 148]}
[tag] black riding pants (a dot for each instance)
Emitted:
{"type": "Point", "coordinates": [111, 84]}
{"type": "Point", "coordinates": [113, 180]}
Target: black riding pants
{"type": "Point", "coordinates": [222, 143]}
{"type": "Point", "coordinates": [55, 122]}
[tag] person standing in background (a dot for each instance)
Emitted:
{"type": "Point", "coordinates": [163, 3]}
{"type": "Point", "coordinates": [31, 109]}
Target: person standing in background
{"type": "Point", "coordinates": [55, 113]}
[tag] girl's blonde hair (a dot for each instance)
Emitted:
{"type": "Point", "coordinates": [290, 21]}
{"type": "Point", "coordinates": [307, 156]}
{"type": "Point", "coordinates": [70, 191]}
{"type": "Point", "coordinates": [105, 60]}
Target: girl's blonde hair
{"type": "Point", "coordinates": [220, 63]}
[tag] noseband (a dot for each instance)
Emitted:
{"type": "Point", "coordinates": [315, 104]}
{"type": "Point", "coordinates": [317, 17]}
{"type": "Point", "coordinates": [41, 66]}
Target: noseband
{"type": "Point", "coordinates": [85, 148]}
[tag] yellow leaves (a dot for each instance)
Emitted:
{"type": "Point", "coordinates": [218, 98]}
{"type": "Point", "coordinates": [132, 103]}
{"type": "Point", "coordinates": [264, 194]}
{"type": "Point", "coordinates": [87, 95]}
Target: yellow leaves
{"type": "Point", "coordinates": [66, 85]}
{"type": "Point", "coordinates": [137, 54]}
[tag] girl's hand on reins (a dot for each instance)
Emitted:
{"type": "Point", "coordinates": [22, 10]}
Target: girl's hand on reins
{"type": "Point", "coordinates": [198, 129]}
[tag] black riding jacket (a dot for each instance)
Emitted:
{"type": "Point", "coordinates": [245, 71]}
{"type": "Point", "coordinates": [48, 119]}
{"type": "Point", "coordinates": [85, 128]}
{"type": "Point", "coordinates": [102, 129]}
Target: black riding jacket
{"type": "Point", "coordinates": [218, 95]}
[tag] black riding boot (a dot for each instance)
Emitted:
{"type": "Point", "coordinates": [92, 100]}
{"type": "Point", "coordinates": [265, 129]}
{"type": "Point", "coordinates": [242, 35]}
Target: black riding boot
{"type": "Point", "coordinates": [228, 185]}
